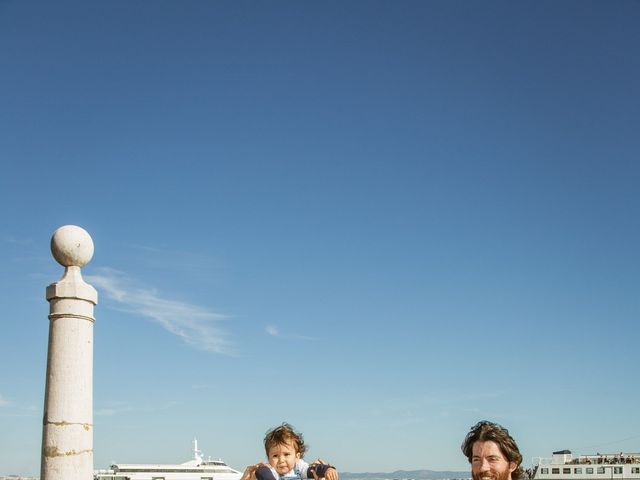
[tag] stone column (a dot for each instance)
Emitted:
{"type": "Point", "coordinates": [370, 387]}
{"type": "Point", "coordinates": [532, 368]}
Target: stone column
{"type": "Point", "coordinates": [67, 432]}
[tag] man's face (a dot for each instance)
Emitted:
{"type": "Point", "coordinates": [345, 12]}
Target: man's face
{"type": "Point", "coordinates": [488, 462]}
{"type": "Point", "coordinates": [282, 457]}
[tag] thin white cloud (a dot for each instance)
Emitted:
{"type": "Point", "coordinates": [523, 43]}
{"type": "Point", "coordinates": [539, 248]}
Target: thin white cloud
{"type": "Point", "coordinates": [112, 409]}
{"type": "Point", "coordinates": [104, 412]}
{"type": "Point", "coordinates": [274, 331]}
{"type": "Point", "coordinates": [487, 395]}
{"type": "Point", "coordinates": [203, 386]}
{"type": "Point", "coordinates": [193, 324]}
{"type": "Point", "coordinates": [119, 408]}
{"type": "Point", "coordinates": [400, 410]}
{"type": "Point", "coordinates": [14, 409]}
{"type": "Point", "coordinates": [13, 239]}
{"type": "Point", "coordinates": [175, 260]}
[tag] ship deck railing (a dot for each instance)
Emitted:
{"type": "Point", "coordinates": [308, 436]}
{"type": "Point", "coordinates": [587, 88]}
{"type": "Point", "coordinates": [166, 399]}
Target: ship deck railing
{"type": "Point", "coordinates": [598, 459]}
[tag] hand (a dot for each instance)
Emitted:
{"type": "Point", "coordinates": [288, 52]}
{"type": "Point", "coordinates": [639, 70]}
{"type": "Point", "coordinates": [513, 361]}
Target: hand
{"type": "Point", "coordinates": [250, 472]}
{"type": "Point", "coordinates": [331, 474]}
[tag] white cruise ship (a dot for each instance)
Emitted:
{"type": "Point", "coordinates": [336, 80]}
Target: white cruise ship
{"type": "Point", "coordinates": [195, 469]}
{"type": "Point", "coordinates": [601, 466]}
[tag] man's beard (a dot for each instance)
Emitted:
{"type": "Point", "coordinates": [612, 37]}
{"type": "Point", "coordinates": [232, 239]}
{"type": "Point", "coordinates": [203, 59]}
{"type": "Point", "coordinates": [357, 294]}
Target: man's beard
{"type": "Point", "coordinates": [504, 475]}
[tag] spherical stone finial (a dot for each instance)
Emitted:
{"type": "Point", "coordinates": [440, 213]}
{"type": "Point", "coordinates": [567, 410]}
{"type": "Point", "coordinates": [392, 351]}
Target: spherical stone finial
{"type": "Point", "coordinates": [72, 246]}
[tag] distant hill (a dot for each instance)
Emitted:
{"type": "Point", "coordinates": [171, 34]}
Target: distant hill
{"type": "Point", "coordinates": [406, 475]}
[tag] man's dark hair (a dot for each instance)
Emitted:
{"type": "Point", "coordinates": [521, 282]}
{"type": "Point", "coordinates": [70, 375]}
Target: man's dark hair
{"type": "Point", "coordinates": [485, 431]}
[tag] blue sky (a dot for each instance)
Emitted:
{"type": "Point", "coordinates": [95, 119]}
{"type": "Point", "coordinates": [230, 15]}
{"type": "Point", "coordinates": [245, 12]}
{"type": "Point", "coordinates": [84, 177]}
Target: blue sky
{"type": "Point", "coordinates": [379, 221]}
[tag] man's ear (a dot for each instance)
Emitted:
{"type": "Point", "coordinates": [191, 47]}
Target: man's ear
{"type": "Point", "coordinates": [512, 467]}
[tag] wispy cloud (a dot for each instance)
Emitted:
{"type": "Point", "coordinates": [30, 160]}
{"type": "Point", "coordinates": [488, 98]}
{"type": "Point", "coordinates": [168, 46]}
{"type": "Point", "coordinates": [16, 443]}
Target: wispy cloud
{"type": "Point", "coordinates": [118, 408]}
{"type": "Point", "coordinates": [204, 386]}
{"type": "Point", "coordinates": [112, 408]}
{"type": "Point", "coordinates": [193, 324]}
{"type": "Point", "coordinates": [104, 412]}
{"type": "Point", "coordinates": [176, 260]}
{"type": "Point", "coordinates": [401, 410]}
{"type": "Point", "coordinates": [274, 331]}
{"type": "Point", "coordinates": [13, 239]}
{"type": "Point", "coordinates": [13, 408]}
{"type": "Point", "coordinates": [486, 395]}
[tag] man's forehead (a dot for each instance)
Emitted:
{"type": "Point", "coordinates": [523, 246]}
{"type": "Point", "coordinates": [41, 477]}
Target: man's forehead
{"type": "Point", "coordinates": [486, 448]}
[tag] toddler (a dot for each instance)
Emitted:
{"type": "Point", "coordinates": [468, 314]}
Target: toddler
{"type": "Point", "coordinates": [285, 448]}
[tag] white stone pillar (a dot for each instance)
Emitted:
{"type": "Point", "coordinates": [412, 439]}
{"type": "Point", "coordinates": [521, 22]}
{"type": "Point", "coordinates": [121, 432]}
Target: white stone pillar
{"type": "Point", "coordinates": [67, 432]}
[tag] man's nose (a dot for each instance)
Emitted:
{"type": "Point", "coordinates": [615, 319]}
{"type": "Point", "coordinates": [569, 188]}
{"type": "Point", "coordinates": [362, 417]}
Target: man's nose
{"type": "Point", "coordinates": [484, 465]}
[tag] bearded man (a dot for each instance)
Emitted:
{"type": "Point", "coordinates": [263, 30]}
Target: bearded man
{"type": "Point", "coordinates": [492, 453]}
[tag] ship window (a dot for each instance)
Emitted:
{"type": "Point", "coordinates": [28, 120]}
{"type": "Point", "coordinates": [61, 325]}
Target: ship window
{"type": "Point", "coordinates": [635, 469]}
{"type": "Point", "coordinates": [566, 470]}
{"type": "Point", "coordinates": [578, 471]}
{"type": "Point", "coordinates": [544, 471]}
{"type": "Point", "coordinates": [206, 478]}
{"type": "Point", "coordinates": [600, 469]}
{"type": "Point", "coordinates": [617, 470]}
{"type": "Point", "coordinates": [589, 469]}
{"type": "Point", "coordinates": [555, 470]}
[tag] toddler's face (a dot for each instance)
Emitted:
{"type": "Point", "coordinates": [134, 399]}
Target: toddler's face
{"type": "Point", "coordinates": [282, 457]}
